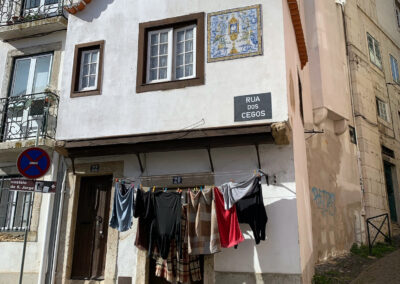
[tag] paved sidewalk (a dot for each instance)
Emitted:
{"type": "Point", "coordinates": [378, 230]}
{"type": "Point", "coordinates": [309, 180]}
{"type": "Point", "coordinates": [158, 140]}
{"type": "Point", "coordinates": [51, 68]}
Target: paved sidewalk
{"type": "Point", "coordinates": [386, 270]}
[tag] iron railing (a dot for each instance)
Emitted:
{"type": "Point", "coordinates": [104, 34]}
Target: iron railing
{"type": "Point", "coordinates": [15, 208]}
{"type": "Point", "coordinates": [29, 116]}
{"type": "Point", "coordinates": [384, 219]}
{"type": "Point", "coordinates": [19, 11]}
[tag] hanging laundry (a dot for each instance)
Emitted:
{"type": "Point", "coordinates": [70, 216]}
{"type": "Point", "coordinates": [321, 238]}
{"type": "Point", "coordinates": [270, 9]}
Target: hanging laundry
{"type": "Point", "coordinates": [145, 212]}
{"type": "Point", "coordinates": [203, 234]}
{"type": "Point", "coordinates": [233, 191]}
{"type": "Point", "coordinates": [123, 208]}
{"type": "Point", "coordinates": [251, 210]}
{"type": "Point", "coordinates": [182, 268]}
{"type": "Point", "coordinates": [228, 225]}
{"type": "Point", "coordinates": [166, 225]}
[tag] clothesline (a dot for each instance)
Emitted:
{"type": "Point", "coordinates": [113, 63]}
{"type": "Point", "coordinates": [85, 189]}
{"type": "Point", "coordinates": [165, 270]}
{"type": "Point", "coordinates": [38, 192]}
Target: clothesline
{"type": "Point", "coordinates": [169, 176]}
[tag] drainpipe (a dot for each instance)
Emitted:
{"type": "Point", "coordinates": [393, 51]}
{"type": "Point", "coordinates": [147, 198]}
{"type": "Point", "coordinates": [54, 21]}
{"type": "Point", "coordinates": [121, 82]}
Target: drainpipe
{"type": "Point", "coordinates": [50, 206]}
{"type": "Point", "coordinates": [342, 3]}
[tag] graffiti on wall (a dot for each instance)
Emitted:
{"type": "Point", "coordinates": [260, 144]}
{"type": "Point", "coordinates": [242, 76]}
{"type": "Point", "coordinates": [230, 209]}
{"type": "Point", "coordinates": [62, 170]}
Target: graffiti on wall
{"type": "Point", "coordinates": [324, 200]}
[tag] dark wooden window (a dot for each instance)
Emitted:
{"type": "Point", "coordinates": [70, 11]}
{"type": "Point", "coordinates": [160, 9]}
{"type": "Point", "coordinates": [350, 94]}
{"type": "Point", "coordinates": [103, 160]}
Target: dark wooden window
{"type": "Point", "coordinates": [93, 78]}
{"type": "Point", "coordinates": [142, 80]}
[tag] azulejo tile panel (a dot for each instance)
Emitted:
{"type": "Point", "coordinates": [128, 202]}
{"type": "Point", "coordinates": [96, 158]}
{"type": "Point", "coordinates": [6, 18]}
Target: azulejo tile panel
{"type": "Point", "coordinates": [234, 33]}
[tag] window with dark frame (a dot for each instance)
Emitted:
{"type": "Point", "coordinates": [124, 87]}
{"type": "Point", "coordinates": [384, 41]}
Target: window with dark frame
{"type": "Point", "coordinates": [15, 208]}
{"type": "Point", "coordinates": [395, 69]}
{"type": "Point", "coordinates": [171, 53]}
{"type": "Point", "coordinates": [87, 69]}
{"type": "Point", "coordinates": [397, 8]}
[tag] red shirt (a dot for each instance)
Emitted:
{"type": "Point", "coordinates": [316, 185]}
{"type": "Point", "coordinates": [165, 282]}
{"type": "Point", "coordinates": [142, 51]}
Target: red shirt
{"type": "Point", "coordinates": [228, 224]}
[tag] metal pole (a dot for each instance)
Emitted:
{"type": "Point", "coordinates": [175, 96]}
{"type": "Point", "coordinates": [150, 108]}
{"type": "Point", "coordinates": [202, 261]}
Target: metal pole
{"type": "Point", "coordinates": [25, 240]}
{"type": "Point", "coordinates": [369, 240]}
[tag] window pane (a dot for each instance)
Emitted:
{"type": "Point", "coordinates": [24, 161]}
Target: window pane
{"type": "Point", "coordinates": [21, 77]}
{"type": "Point", "coordinates": [179, 60]}
{"type": "Point", "coordinates": [42, 72]}
{"type": "Point", "coordinates": [189, 46]}
{"type": "Point", "coordinates": [189, 58]}
{"type": "Point", "coordinates": [189, 34]}
{"type": "Point", "coordinates": [32, 4]}
{"type": "Point", "coordinates": [93, 68]}
{"type": "Point", "coordinates": [180, 36]}
{"type": "Point", "coordinates": [378, 53]}
{"type": "Point", "coordinates": [153, 74]}
{"type": "Point", "coordinates": [85, 70]}
{"type": "Point", "coordinates": [94, 56]}
{"type": "Point", "coordinates": [163, 61]}
{"type": "Point", "coordinates": [179, 48]}
{"type": "Point", "coordinates": [92, 80]}
{"type": "Point", "coordinates": [154, 39]}
{"type": "Point", "coordinates": [154, 50]}
{"type": "Point", "coordinates": [85, 82]}
{"type": "Point", "coordinates": [188, 70]}
{"type": "Point", "coordinates": [153, 62]}
{"type": "Point", "coordinates": [163, 37]}
{"type": "Point", "coordinates": [179, 72]}
{"type": "Point", "coordinates": [163, 73]}
{"type": "Point", "coordinates": [164, 49]}
{"type": "Point", "coordinates": [86, 58]}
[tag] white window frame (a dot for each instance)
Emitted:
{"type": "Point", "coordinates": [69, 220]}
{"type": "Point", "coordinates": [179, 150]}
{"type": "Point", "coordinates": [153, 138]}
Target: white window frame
{"type": "Point", "coordinates": [193, 51]}
{"type": "Point", "coordinates": [382, 110]}
{"type": "Point", "coordinates": [395, 73]}
{"type": "Point", "coordinates": [377, 62]}
{"type": "Point", "coordinates": [90, 62]}
{"type": "Point", "coordinates": [169, 55]}
{"type": "Point", "coordinates": [31, 74]}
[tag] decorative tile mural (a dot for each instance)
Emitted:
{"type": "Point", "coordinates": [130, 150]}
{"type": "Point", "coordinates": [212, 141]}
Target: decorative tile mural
{"type": "Point", "coordinates": [234, 33]}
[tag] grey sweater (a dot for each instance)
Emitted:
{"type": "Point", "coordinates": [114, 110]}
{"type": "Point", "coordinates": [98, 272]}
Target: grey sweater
{"type": "Point", "coordinates": [234, 191]}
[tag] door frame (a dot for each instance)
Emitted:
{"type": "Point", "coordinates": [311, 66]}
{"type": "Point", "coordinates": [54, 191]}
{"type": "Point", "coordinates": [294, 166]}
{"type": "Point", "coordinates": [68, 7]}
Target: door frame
{"type": "Point", "coordinates": [69, 218]}
{"type": "Point", "coordinates": [396, 189]}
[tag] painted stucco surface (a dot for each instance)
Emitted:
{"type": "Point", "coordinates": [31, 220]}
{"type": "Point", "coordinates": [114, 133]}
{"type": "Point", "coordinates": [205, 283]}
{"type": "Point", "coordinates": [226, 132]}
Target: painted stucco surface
{"type": "Point", "coordinates": [120, 111]}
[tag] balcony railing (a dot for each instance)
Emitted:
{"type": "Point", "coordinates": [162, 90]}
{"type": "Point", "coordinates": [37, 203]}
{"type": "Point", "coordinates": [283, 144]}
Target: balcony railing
{"type": "Point", "coordinates": [28, 117]}
{"type": "Point", "coordinates": [21, 11]}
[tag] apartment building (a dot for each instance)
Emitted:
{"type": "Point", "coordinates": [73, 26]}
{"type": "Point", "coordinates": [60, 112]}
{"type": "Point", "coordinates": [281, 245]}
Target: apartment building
{"type": "Point", "coordinates": [32, 37]}
{"type": "Point", "coordinates": [373, 41]}
{"type": "Point", "coordinates": [159, 100]}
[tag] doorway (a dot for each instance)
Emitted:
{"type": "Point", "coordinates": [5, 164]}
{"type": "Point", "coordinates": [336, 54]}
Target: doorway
{"type": "Point", "coordinates": [389, 179]}
{"type": "Point", "coordinates": [91, 229]}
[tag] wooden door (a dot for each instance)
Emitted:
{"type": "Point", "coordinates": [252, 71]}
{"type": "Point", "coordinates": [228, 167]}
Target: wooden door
{"type": "Point", "coordinates": [90, 248]}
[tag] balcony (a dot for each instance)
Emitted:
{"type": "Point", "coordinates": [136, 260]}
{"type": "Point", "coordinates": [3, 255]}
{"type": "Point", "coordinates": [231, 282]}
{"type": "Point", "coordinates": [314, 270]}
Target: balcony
{"type": "Point", "coordinates": [23, 18]}
{"type": "Point", "coordinates": [28, 120]}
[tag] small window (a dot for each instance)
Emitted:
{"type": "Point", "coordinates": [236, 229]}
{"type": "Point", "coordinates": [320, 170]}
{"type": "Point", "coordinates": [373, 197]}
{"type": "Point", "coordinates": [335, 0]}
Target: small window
{"type": "Point", "coordinates": [374, 51]}
{"type": "Point", "coordinates": [395, 69]}
{"type": "Point", "coordinates": [353, 135]}
{"type": "Point", "coordinates": [397, 7]}
{"type": "Point", "coordinates": [15, 207]}
{"type": "Point", "coordinates": [171, 53]}
{"type": "Point", "coordinates": [87, 69]}
{"type": "Point", "coordinates": [382, 109]}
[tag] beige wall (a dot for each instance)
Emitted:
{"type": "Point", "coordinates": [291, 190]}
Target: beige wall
{"type": "Point", "coordinates": [334, 190]}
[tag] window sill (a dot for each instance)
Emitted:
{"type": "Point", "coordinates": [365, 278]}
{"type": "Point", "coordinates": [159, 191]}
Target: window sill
{"type": "Point", "coordinates": [169, 85]}
{"type": "Point", "coordinates": [85, 93]}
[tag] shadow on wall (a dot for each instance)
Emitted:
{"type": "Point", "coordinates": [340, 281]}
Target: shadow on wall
{"type": "Point", "coordinates": [93, 10]}
{"type": "Point", "coordinates": [279, 253]}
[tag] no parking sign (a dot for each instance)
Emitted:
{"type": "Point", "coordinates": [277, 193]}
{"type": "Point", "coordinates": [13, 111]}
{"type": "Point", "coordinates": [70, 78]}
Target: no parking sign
{"type": "Point", "coordinates": [33, 163]}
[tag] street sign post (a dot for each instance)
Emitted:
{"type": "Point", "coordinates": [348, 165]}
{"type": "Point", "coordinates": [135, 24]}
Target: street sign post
{"type": "Point", "coordinates": [33, 163]}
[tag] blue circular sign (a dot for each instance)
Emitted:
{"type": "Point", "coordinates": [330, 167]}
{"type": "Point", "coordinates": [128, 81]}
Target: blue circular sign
{"type": "Point", "coordinates": [33, 163]}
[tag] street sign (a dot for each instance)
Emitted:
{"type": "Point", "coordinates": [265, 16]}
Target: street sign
{"type": "Point", "coordinates": [253, 107]}
{"type": "Point", "coordinates": [33, 163]}
{"type": "Point", "coordinates": [29, 185]}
